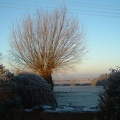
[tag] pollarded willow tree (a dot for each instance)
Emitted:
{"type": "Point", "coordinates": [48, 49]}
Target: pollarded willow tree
{"type": "Point", "coordinates": [47, 41]}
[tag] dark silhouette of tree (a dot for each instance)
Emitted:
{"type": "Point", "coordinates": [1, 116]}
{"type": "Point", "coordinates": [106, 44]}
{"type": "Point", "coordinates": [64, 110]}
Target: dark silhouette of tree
{"type": "Point", "coordinates": [47, 41]}
{"type": "Point", "coordinates": [109, 96]}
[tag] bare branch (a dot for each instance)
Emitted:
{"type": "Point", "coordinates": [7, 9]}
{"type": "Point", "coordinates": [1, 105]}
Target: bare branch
{"type": "Point", "coordinates": [48, 41]}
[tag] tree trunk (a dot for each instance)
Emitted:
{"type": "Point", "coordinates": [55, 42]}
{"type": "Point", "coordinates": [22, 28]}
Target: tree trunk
{"type": "Point", "coordinates": [49, 81]}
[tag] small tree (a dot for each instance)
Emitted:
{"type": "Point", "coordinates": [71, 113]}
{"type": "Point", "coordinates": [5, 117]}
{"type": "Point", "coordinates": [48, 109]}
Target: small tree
{"type": "Point", "coordinates": [109, 97]}
{"type": "Point", "coordinates": [48, 41]}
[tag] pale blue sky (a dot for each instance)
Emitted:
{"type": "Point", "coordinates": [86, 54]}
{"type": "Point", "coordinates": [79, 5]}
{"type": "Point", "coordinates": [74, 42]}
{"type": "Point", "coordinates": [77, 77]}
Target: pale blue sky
{"type": "Point", "coordinates": [102, 23]}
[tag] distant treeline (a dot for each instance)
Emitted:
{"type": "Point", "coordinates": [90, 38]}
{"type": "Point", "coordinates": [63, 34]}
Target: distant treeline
{"type": "Point", "coordinates": [99, 81]}
{"type": "Point", "coordinates": [73, 84]}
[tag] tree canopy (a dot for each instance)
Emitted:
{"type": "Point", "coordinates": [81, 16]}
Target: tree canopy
{"type": "Point", "coordinates": [47, 41]}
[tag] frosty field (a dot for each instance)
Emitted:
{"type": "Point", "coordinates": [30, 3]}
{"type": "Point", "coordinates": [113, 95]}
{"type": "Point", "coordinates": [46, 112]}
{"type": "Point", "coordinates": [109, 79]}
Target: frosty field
{"type": "Point", "coordinates": [78, 96]}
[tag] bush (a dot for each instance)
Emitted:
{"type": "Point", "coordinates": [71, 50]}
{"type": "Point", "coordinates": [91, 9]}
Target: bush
{"type": "Point", "coordinates": [109, 96]}
{"type": "Point", "coordinates": [101, 82]}
{"type": "Point", "coordinates": [8, 98]}
{"type": "Point", "coordinates": [33, 90]}
{"type": "Point", "coordinates": [5, 74]}
{"type": "Point", "coordinates": [25, 90]}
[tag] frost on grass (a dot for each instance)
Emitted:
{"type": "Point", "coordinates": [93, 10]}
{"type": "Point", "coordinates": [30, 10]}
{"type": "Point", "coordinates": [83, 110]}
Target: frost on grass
{"type": "Point", "coordinates": [33, 90]}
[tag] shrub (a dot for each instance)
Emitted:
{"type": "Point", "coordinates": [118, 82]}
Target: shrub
{"type": "Point", "coordinates": [5, 74]}
{"type": "Point", "coordinates": [8, 98]}
{"type": "Point", "coordinates": [109, 96]}
{"type": "Point", "coordinates": [33, 90]}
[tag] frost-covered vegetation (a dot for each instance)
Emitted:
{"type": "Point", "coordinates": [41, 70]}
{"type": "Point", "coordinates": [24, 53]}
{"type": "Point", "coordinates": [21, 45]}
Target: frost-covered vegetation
{"type": "Point", "coordinates": [109, 97]}
{"type": "Point", "coordinates": [5, 74]}
{"type": "Point", "coordinates": [25, 90]}
{"type": "Point", "coordinates": [33, 90]}
{"type": "Point", "coordinates": [9, 100]}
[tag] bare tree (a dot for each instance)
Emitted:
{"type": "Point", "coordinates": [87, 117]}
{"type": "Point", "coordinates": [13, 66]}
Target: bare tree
{"type": "Point", "coordinates": [48, 41]}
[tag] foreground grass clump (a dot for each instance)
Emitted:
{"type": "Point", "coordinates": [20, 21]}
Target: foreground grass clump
{"type": "Point", "coordinates": [33, 90]}
{"type": "Point", "coordinates": [109, 97]}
